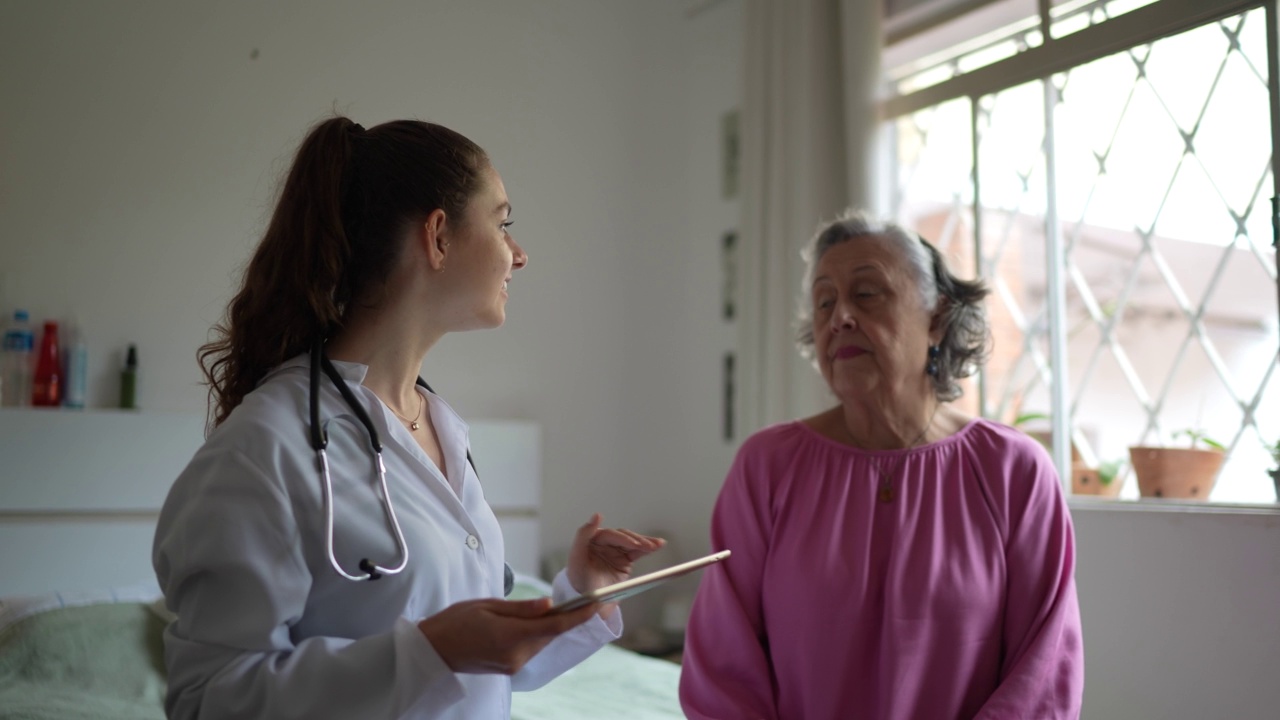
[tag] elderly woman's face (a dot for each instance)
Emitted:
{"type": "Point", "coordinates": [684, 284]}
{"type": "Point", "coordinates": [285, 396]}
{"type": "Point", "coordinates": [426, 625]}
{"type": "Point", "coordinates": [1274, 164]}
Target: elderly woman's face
{"type": "Point", "coordinates": [870, 327]}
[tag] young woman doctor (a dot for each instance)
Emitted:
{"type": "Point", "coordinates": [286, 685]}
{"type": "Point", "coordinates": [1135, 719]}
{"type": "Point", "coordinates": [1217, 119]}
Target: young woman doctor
{"type": "Point", "coordinates": [382, 241]}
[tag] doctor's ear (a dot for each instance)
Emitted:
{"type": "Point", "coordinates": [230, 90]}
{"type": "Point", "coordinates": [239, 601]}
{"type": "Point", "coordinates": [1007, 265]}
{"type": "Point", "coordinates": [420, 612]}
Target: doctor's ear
{"type": "Point", "coordinates": [435, 238]}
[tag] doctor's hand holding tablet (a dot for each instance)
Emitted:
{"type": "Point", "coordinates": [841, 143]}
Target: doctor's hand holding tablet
{"type": "Point", "coordinates": [496, 636]}
{"type": "Point", "coordinates": [500, 636]}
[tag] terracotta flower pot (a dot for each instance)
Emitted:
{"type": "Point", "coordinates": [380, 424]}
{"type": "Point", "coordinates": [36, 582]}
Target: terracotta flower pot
{"type": "Point", "coordinates": [1087, 481]}
{"type": "Point", "coordinates": [1184, 473]}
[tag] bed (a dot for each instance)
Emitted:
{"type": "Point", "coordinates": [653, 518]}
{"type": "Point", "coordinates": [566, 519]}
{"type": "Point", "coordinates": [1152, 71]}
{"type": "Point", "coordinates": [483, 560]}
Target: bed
{"type": "Point", "coordinates": [80, 612]}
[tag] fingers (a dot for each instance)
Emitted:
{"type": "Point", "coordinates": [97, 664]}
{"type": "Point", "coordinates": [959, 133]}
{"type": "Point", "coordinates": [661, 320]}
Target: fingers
{"type": "Point", "coordinates": [622, 536]}
{"type": "Point", "coordinates": [497, 636]}
{"type": "Point", "coordinates": [521, 608]}
{"type": "Point", "coordinates": [535, 620]}
{"type": "Point", "coordinates": [537, 611]}
{"type": "Point", "coordinates": [587, 531]}
{"type": "Point", "coordinates": [591, 531]}
{"type": "Point", "coordinates": [572, 619]}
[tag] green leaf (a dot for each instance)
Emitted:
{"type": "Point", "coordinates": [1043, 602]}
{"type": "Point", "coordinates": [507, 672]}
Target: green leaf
{"type": "Point", "coordinates": [1197, 436]}
{"type": "Point", "coordinates": [1108, 471]}
{"type": "Point", "coordinates": [1028, 417]}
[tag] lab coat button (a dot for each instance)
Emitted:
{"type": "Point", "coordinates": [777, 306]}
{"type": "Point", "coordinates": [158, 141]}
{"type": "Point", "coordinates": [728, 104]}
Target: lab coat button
{"type": "Point", "coordinates": [473, 542]}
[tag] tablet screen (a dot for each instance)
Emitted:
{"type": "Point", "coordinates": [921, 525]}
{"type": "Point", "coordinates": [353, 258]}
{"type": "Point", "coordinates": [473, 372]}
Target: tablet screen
{"type": "Point", "coordinates": [637, 585]}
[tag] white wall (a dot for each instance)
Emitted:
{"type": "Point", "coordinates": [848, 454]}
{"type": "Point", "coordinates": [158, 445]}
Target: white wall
{"type": "Point", "coordinates": [141, 143]}
{"type": "Point", "coordinates": [675, 454]}
{"type": "Point", "coordinates": [1179, 611]}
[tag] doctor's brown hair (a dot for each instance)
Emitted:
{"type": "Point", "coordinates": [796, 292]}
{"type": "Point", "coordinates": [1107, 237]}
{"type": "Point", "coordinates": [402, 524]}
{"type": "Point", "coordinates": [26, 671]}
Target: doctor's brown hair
{"type": "Point", "coordinates": [334, 236]}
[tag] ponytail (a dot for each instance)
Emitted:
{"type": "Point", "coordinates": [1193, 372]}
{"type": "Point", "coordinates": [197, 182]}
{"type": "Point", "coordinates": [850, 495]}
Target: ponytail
{"type": "Point", "coordinates": [335, 233]}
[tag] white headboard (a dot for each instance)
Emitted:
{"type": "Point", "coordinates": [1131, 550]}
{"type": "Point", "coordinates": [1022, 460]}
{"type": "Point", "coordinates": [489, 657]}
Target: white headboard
{"type": "Point", "coordinates": [80, 492]}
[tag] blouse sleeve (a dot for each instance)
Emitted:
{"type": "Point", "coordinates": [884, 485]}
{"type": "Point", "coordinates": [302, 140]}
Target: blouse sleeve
{"type": "Point", "coordinates": [726, 672]}
{"type": "Point", "coordinates": [1042, 671]}
{"type": "Point", "coordinates": [230, 569]}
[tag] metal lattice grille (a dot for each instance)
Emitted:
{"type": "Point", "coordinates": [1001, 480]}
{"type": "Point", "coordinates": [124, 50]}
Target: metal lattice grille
{"type": "Point", "coordinates": [1162, 157]}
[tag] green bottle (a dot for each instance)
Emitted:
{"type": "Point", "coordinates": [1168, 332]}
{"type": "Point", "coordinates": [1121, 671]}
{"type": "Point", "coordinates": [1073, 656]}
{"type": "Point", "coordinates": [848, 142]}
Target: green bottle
{"type": "Point", "coordinates": [129, 380]}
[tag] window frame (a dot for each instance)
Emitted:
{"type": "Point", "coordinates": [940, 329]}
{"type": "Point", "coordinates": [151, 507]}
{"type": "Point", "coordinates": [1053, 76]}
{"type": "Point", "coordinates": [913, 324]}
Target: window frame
{"type": "Point", "coordinates": [1134, 28]}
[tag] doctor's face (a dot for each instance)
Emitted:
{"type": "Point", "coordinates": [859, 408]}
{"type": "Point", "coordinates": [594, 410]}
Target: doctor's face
{"type": "Point", "coordinates": [484, 255]}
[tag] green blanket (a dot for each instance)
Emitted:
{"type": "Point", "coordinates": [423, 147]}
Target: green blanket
{"type": "Point", "coordinates": [95, 662]}
{"type": "Point", "coordinates": [614, 683]}
{"type": "Point", "coordinates": [105, 662]}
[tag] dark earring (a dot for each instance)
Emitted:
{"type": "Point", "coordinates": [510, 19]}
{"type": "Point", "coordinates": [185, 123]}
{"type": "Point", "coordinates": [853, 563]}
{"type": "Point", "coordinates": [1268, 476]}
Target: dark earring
{"type": "Point", "coordinates": [934, 352]}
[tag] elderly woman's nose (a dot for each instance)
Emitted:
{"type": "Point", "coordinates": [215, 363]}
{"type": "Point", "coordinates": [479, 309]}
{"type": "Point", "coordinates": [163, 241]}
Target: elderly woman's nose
{"type": "Point", "coordinates": [842, 318]}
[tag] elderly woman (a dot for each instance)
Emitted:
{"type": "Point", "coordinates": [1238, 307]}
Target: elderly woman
{"type": "Point", "coordinates": [892, 557]}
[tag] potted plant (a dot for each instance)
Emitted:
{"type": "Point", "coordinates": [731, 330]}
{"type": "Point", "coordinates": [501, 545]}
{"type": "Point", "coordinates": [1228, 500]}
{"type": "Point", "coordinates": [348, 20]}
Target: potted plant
{"type": "Point", "coordinates": [1178, 472]}
{"type": "Point", "coordinates": [1099, 481]}
{"type": "Point", "coordinates": [1085, 480]}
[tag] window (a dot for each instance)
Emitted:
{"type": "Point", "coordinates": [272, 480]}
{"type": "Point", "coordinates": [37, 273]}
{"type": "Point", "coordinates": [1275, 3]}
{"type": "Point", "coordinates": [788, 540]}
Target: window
{"type": "Point", "coordinates": [1107, 167]}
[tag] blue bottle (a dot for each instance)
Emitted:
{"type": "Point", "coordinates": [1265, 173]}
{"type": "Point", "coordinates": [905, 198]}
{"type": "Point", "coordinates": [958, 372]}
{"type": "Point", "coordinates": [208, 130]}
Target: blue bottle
{"type": "Point", "coordinates": [16, 356]}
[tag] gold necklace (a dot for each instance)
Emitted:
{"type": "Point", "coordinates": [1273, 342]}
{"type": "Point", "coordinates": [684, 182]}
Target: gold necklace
{"type": "Point", "coordinates": [886, 483]}
{"type": "Point", "coordinates": [413, 424]}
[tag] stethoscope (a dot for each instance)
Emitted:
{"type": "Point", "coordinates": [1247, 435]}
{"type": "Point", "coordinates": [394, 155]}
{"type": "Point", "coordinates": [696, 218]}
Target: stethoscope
{"type": "Point", "coordinates": [320, 440]}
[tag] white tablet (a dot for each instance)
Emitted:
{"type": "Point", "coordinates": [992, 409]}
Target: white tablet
{"type": "Point", "coordinates": [637, 585]}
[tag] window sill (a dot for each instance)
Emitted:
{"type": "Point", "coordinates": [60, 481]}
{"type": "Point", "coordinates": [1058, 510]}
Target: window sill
{"type": "Point", "coordinates": [1156, 505]}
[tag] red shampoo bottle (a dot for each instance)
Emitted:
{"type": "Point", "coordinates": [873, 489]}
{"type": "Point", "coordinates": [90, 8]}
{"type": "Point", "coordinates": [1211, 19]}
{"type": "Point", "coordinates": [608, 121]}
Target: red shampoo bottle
{"type": "Point", "coordinates": [47, 382]}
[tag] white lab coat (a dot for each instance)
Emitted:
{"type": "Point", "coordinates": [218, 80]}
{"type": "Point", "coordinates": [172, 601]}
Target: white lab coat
{"type": "Point", "coordinates": [267, 629]}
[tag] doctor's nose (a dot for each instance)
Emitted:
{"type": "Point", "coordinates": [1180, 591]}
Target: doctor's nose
{"type": "Point", "coordinates": [519, 258]}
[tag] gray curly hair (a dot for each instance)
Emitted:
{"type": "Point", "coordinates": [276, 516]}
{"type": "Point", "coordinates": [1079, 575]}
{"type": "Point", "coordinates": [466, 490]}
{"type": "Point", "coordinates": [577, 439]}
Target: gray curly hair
{"type": "Point", "coordinates": [966, 336]}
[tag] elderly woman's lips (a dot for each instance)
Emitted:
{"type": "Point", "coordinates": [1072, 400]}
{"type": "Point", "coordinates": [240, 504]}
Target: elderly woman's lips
{"type": "Point", "coordinates": [849, 351]}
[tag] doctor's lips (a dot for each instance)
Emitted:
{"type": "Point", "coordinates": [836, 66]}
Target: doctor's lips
{"type": "Point", "coordinates": [848, 351]}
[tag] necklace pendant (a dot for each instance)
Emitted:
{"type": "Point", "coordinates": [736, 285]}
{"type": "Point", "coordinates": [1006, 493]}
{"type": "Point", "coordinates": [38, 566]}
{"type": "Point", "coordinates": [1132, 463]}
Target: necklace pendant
{"type": "Point", "coordinates": [413, 426]}
{"type": "Point", "coordinates": [886, 493]}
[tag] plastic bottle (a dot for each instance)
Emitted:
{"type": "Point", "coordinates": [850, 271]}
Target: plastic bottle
{"type": "Point", "coordinates": [15, 362]}
{"type": "Point", "coordinates": [46, 385]}
{"type": "Point", "coordinates": [129, 380]}
{"type": "Point", "coordinates": [76, 366]}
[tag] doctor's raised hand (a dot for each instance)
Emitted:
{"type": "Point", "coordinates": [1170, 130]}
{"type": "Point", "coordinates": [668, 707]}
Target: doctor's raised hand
{"type": "Point", "coordinates": [329, 552]}
{"type": "Point", "coordinates": [603, 556]}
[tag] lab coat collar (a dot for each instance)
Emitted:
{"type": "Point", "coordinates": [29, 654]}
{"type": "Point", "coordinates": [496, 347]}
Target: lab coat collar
{"type": "Point", "coordinates": [350, 371]}
{"type": "Point", "coordinates": [447, 420]}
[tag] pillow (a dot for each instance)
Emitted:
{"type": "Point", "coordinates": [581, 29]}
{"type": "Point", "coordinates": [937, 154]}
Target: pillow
{"type": "Point", "coordinates": [528, 587]}
{"type": "Point", "coordinates": [98, 661]}
{"type": "Point", "coordinates": [18, 607]}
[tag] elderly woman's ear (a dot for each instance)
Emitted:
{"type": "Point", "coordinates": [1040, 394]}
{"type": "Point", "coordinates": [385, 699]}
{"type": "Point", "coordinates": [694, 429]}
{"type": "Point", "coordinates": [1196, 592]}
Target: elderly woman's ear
{"type": "Point", "coordinates": [937, 328]}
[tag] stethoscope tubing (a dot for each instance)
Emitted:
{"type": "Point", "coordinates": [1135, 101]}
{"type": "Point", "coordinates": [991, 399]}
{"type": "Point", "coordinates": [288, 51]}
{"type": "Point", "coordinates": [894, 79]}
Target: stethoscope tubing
{"type": "Point", "coordinates": [320, 440]}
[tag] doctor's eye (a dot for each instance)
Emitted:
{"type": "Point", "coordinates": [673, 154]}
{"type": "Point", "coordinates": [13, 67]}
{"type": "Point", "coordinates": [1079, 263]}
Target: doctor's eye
{"type": "Point", "coordinates": [507, 224]}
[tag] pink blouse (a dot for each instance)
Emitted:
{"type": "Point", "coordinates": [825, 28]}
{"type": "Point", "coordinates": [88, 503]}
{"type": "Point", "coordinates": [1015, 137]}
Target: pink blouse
{"type": "Point", "coordinates": [954, 599]}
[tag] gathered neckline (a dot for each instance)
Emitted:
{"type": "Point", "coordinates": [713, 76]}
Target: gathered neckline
{"type": "Point", "coordinates": [950, 439]}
